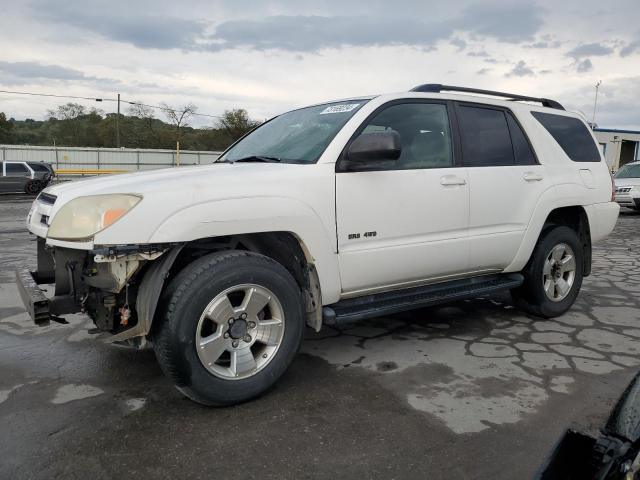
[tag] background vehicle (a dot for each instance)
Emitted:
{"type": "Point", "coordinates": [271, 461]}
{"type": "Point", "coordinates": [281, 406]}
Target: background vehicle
{"type": "Point", "coordinates": [627, 181]}
{"type": "Point", "coordinates": [326, 214]}
{"type": "Point", "coordinates": [28, 177]}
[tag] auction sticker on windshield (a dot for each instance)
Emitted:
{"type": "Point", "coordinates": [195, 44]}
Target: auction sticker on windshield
{"type": "Point", "coordinates": [345, 107]}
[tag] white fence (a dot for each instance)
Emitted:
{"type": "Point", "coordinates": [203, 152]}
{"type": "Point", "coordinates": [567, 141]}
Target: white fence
{"type": "Point", "coordinates": [128, 159]}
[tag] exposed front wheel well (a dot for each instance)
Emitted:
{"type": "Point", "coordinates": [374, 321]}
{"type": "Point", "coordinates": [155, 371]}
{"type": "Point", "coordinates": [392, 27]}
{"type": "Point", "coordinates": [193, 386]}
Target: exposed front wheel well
{"type": "Point", "coordinates": [575, 218]}
{"type": "Point", "coordinates": [283, 247]}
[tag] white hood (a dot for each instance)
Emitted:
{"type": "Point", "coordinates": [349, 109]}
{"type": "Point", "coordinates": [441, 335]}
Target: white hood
{"type": "Point", "coordinates": [178, 201]}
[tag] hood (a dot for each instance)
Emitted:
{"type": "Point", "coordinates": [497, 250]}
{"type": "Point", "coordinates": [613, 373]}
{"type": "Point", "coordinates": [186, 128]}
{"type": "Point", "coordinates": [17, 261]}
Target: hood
{"type": "Point", "coordinates": [193, 181]}
{"type": "Point", "coordinates": [201, 201]}
{"type": "Point", "coordinates": [137, 182]}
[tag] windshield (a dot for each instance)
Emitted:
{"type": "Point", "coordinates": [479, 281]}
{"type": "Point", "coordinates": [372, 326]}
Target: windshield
{"type": "Point", "coordinates": [299, 136]}
{"type": "Point", "coordinates": [629, 171]}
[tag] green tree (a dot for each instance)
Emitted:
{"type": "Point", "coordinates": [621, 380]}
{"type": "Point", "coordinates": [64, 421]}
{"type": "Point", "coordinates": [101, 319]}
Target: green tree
{"type": "Point", "coordinates": [236, 123]}
{"type": "Point", "coordinates": [179, 118]}
{"type": "Point", "coordinates": [6, 129]}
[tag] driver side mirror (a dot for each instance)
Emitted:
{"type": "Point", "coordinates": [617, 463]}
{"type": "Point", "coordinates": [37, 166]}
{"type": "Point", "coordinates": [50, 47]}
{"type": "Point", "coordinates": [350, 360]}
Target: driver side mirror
{"type": "Point", "coordinates": [375, 147]}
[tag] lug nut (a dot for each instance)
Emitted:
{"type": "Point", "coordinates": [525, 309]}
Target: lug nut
{"type": "Point", "coordinates": [243, 316]}
{"type": "Point", "coordinates": [226, 334]}
{"type": "Point", "coordinates": [252, 324]}
{"type": "Point", "coordinates": [247, 338]}
{"type": "Point", "coordinates": [230, 321]}
{"type": "Point", "coordinates": [235, 343]}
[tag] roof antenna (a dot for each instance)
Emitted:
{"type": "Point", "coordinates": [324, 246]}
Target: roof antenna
{"type": "Point", "coordinates": [595, 104]}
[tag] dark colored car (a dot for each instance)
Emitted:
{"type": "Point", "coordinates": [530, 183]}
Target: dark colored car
{"type": "Point", "coordinates": [27, 177]}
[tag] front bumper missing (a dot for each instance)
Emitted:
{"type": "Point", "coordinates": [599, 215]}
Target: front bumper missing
{"type": "Point", "coordinates": [40, 308]}
{"type": "Point", "coordinates": [33, 298]}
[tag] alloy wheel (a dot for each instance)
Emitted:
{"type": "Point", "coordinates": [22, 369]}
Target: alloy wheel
{"type": "Point", "coordinates": [240, 331]}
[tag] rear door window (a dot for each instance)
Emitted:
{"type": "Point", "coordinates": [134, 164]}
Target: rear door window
{"type": "Point", "coordinates": [571, 134]}
{"type": "Point", "coordinates": [39, 167]}
{"type": "Point", "coordinates": [485, 137]}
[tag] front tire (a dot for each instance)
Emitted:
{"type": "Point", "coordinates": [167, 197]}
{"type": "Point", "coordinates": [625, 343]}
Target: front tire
{"type": "Point", "coordinates": [231, 325]}
{"type": "Point", "coordinates": [553, 276]}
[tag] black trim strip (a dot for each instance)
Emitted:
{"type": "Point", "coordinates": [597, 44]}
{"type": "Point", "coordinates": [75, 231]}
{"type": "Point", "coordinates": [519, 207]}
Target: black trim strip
{"type": "Point", "coordinates": [438, 88]}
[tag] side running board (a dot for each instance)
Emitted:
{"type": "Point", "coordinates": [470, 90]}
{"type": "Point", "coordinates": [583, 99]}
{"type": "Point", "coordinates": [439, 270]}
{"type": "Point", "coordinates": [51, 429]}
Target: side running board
{"type": "Point", "coordinates": [375, 305]}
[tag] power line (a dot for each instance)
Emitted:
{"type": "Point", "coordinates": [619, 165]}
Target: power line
{"type": "Point", "coordinates": [98, 99]}
{"type": "Point", "coordinates": [56, 96]}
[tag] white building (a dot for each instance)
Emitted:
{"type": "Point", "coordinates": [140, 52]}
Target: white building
{"type": "Point", "coordinates": [618, 146]}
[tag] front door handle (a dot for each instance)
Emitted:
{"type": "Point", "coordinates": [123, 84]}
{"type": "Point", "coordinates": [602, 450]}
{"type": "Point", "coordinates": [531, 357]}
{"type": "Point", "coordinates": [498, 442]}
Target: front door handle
{"type": "Point", "coordinates": [532, 177]}
{"type": "Point", "coordinates": [452, 180]}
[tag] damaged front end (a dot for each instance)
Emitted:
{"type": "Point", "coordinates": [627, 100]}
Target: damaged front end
{"type": "Point", "coordinates": [118, 287]}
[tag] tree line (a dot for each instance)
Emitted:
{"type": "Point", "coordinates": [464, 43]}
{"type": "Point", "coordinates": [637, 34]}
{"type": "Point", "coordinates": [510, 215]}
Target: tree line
{"type": "Point", "coordinates": [74, 125]}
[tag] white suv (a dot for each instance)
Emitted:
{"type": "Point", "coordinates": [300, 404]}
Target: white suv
{"type": "Point", "coordinates": [326, 214]}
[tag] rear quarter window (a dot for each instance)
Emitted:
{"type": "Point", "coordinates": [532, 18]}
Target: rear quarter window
{"type": "Point", "coordinates": [571, 134]}
{"type": "Point", "coordinates": [39, 167]}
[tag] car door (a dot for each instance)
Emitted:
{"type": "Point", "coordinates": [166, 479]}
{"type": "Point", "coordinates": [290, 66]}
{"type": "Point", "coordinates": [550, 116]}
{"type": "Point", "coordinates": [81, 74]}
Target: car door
{"type": "Point", "coordinates": [506, 182]}
{"type": "Point", "coordinates": [16, 176]}
{"type": "Point", "coordinates": [403, 222]}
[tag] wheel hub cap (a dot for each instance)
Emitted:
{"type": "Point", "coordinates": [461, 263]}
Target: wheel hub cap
{"type": "Point", "coordinates": [559, 272]}
{"type": "Point", "coordinates": [238, 328]}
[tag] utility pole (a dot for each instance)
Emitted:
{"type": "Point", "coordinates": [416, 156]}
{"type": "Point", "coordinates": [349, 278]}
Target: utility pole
{"type": "Point", "coordinates": [595, 104]}
{"type": "Point", "coordinates": [118, 124]}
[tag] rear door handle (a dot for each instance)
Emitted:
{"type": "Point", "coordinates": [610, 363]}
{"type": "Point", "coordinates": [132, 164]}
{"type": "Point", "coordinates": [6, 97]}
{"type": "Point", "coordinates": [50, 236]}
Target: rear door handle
{"type": "Point", "coordinates": [452, 180]}
{"type": "Point", "coordinates": [532, 177]}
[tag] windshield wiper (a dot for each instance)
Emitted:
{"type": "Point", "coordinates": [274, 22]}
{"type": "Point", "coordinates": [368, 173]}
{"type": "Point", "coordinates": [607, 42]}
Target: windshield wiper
{"type": "Point", "coordinates": [259, 158]}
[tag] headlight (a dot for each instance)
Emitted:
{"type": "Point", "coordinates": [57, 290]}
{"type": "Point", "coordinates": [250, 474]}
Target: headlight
{"type": "Point", "coordinates": [83, 217]}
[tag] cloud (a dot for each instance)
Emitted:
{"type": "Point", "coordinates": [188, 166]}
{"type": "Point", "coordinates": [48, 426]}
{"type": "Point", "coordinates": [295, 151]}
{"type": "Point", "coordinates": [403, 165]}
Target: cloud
{"type": "Point", "coordinates": [142, 29]}
{"type": "Point", "coordinates": [23, 73]}
{"type": "Point", "coordinates": [589, 50]}
{"type": "Point", "coordinates": [545, 41]}
{"type": "Point", "coordinates": [459, 43]}
{"type": "Point", "coordinates": [159, 25]}
{"type": "Point", "coordinates": [520, 70]}
{"type": "Point", "coordinates": [37, 70]}
{"type": "Point", "coordinates": [617, 105]}
{"type": "Point", "coordinates": [508, 23]}
{"type": "Point", "coordinates": [310, 33]}
{"type": "Point", "coordinates": [539, 45]}
{"type": "Point", "coordinates": [584, 66]}
{"type": "Point", "coordinates": [630, 48]}
{"type": "Point", "coordinates": [480, 53]}
{"type": "Point", "coordinates": [483, 71]}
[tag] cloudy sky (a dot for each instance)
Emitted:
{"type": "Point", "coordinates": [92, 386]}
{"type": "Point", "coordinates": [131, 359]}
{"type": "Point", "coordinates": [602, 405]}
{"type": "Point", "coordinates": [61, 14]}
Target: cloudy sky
{"type": "Point", "coordinates": [270, 56]}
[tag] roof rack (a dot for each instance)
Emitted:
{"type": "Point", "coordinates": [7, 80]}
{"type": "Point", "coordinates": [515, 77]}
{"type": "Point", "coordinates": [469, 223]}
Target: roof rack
{"type": "Point", "coordinates": [437, 88]}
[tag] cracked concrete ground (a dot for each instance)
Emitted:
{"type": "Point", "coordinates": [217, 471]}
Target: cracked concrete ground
{"type": "Point", "coordinates": [474, 389]}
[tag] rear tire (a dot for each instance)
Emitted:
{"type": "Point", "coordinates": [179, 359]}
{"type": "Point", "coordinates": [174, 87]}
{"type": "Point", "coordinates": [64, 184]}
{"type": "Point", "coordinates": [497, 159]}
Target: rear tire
{"type": "Point", "coordinates": [231, 325]}
{"type": "Point", "coordinates": [553, 276]}
{"type": "Point", "coordinates": [32, 187]}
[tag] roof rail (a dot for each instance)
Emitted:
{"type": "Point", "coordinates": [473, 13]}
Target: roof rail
{"type": "Point", "coordinates": [437, 88]}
